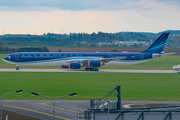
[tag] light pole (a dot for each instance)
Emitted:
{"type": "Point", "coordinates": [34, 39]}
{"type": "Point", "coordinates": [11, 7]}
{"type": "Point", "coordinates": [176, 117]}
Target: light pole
{"type": "Point", "coordinates": [53, 102]}
{"type": "Point", "coordinates": [18, 91]}
{"type": "Point", "coordinates": [108, 110]}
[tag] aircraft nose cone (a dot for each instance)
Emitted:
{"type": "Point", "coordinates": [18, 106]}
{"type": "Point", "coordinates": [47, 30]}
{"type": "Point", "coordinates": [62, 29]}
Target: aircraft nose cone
{"type": "Point", "coordinates": [6, 58]}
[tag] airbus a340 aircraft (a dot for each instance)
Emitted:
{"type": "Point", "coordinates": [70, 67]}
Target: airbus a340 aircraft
{"type": "Point", "coordinates": [92, 60]}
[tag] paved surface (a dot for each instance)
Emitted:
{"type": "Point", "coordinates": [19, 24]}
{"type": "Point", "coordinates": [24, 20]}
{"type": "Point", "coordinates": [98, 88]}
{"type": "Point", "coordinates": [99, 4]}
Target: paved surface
{"type": "Point", "coordinates": [65, 109]}
{"type": "Point", "coordinates": [105, 71]}
{"type": "Point", "coordinates": [43, 109]}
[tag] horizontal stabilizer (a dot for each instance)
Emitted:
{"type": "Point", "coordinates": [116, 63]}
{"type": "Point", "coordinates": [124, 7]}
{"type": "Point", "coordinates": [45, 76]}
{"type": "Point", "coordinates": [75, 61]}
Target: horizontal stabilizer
{"type": "Point", "coordinates": [156, 55]}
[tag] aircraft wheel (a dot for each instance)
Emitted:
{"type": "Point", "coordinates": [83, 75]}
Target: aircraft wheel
{"type": "Point", "coordinates": [17, 68]}
{"type": "Point", "coordinates": [91, 69]}
{"type": "Point", "coordinates": [87, 69]}
{"type": "Point", "coordinates": [96, 69]}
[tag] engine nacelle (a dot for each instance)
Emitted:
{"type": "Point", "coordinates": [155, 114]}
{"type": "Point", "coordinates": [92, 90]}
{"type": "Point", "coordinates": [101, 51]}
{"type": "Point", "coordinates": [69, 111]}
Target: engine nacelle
{"type": "Point", "coordinates": [63, 66]}
{"type": "Point", "coordinates": [94, 63]}
{"type": "Point", "coordinates": [75, 65]}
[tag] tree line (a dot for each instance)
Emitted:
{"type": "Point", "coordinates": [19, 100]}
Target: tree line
{"type": "Point", "coordinates": [24, 49]}
{"type": "Point", "coordinates": [52, 39]}
{"type": "Point", "coordinates": [85, 39]}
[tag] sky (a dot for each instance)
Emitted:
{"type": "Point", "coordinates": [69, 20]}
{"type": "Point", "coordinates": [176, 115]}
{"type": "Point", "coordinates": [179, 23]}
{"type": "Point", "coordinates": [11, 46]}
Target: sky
{"type": "Point", "coordinates": [88, 16]}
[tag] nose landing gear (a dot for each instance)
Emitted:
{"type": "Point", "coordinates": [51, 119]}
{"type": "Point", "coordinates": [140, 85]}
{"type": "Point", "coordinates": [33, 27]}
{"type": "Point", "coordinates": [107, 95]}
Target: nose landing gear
{"type": "Point", "coordinates": [17, 68]}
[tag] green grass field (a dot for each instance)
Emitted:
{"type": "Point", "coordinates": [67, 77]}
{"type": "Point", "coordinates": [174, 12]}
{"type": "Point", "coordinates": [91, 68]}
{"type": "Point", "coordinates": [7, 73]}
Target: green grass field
{"type": "Point", "coordinates": [162, 63]}
{"type": "Point", "coordinates": [135, 86]}
{"type": "Point", "coordinates": [91, 85]}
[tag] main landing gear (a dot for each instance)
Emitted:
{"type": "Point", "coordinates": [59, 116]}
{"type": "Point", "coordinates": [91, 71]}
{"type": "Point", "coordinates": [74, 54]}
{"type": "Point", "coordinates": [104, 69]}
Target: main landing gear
{"type": "Point", "coordinates": [91, 69]}
{"type": "Point", "coordinates": [17, 68]}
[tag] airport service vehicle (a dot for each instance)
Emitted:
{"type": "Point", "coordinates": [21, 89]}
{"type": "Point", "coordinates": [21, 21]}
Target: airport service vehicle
{"type": "Point", "coordinates": [176, 69]}
{"type": "Point", "coordinates": [92, 60]}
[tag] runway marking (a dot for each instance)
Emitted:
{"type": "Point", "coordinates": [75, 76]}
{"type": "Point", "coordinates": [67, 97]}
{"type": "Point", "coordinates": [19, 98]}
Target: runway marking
{"type": "Point", "coordinates": [60, 108]}
{"type": "Point", "coordinates": [71, 101]}
{"type": "Point", "coordinates": [73, 111]}
{"type": "Point", "coordinates": [36, 111]}
{"type": "Point", "coordinates": [127, 106]}
{"type": "Point", "coordinates": [50, 105]}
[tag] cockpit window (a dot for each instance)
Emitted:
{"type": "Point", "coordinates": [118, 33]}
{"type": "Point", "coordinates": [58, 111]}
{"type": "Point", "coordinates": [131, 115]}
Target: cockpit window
{"type": "Point", "coordinates": [9, 57]}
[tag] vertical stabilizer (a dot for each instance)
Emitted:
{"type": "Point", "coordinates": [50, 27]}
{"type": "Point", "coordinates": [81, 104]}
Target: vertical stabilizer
{"type": "Point", "coordinates": [158, 45]}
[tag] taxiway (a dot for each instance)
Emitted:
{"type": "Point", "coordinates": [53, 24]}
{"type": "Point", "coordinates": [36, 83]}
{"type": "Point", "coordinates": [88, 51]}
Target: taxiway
{"type": "Point", "coordinates": [101, 70]}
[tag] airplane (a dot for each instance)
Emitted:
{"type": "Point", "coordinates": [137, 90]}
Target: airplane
{"type": "Point", "coordinates": [92, 60]}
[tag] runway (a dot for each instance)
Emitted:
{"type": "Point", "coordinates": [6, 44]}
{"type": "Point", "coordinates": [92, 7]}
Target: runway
{"type": "Point", "coordinates": [100, 71]}
{"type": "Point", "coordinates": [64, 109]}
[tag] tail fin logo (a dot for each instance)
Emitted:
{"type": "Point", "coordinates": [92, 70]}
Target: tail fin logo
{"type": "Point", "coordinates": [158, 45]}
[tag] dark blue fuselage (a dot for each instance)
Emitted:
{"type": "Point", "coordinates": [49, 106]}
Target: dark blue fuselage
{"type": "Point", "coordinates": [49, 57]}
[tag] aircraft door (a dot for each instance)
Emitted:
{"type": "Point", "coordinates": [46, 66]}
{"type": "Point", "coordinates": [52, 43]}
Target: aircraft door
{"type": "Point", "coordinates": [141, 56]}
{"type": "Point", "coordinates": [57, 56]}
{"type": "Point", "coordinates": [110, 56]}
{"type": "Point", "coordinates": [17, 57]}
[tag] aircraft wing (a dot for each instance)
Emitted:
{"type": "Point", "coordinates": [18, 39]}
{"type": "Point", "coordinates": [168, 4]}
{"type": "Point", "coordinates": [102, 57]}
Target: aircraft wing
{"type": "Point", "coordinates": [103, 60]}
{"type": "Point", "coordinates": [106, 60]}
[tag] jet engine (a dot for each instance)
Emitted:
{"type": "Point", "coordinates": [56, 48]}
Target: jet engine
{"type": "Point", "coordinates": [63, 66]}
{"type": "Point", "coordinates": [75, 65]}
{"type": "Point", "coordinates": [94, 63]}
